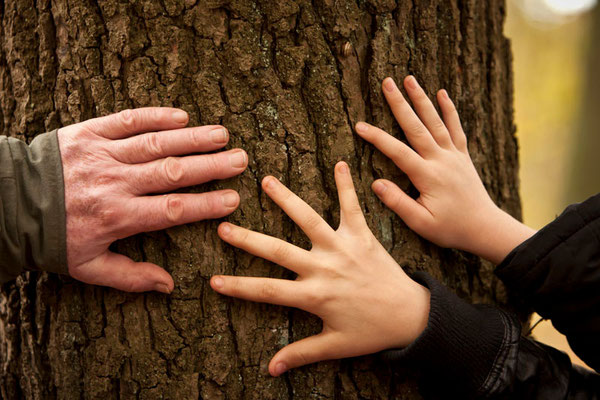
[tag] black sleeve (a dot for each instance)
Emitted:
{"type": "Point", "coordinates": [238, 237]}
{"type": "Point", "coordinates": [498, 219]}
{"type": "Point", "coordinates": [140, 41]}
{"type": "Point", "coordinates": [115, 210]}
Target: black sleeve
{"type": "Point", "coordinates": [32, 207]}
{"type": "Point", "coordinates": [557, 272]}
{"type": "Point", "coordinates": [476, 351]}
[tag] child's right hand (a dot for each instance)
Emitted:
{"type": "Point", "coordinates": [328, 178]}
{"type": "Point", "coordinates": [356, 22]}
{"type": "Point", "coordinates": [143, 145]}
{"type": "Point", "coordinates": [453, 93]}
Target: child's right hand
{"type": "Point", "coordinates": [454, 209]}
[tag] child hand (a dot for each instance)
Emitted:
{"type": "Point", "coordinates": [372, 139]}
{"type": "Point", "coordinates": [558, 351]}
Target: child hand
{"type": "Point", "coordinates": [454, 209]}
{"type": "Point", "coordinates": [365, 299]}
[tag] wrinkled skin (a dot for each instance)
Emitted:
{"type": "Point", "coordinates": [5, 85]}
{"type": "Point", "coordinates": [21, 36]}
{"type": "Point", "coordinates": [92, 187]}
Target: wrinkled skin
{"type": "Point", "coordinates": [111, 165]}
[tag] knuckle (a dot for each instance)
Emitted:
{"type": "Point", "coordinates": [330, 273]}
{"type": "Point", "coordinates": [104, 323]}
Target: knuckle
{"type": "Point", "coordinates": [438, 125]}
{"type": "Point", "coordinates": [152, 145]}
{"type": "Point", "coordinates": [129, 119]}
{"type": "Point", "coordinates": [301, 357]}
{"type": "Point", "coordinates": [213, 166]}
{"type": "Point", "coordinates": [173, 170]}
{"type": "Point", "coordinates": [109, 217]}
{"type": "Point", "coordinates": [174, 208]}
{"type": "Point", "coordinates": [281, 252]}
{"type": "Point", "coordinates": [267, 292]}
{"type": "Point", "coordinates": [195, 139]}
{"type": "Point", "coordinates": [312, 222]}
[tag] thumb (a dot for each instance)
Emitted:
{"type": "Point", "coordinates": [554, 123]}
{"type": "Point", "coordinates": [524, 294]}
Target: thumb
{"type": "Point", "coordinates": [120, 272]}
{"type": "Point", "coordinates": [306, 351]}
{"type": "Point", "coordinates": [412, 213]}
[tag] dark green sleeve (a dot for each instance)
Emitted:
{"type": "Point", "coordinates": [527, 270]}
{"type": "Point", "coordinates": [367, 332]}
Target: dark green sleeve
{"type": "Point", "coordinates": [32, 207]}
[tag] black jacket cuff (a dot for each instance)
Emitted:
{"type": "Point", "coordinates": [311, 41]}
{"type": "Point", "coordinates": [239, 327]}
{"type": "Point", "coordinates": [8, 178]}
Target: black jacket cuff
{"type": "Point", "coordinates": [460, 344]}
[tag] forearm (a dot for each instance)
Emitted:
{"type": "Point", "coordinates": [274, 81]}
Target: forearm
{"type": "Point", "coordinates": [32, 212]}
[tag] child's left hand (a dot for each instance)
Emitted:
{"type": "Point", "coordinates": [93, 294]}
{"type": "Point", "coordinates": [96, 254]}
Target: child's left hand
{"type": "Point", "coordinates": [365, 299]}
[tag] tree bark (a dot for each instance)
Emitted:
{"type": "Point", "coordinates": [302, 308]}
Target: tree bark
{"type": "Point", "coordinates": [289, 79]}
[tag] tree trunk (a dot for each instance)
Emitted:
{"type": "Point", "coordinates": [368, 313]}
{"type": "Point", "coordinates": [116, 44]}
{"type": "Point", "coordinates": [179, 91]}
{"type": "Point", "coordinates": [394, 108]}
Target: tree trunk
{"type": "Point", "coordinates": [289, 79]}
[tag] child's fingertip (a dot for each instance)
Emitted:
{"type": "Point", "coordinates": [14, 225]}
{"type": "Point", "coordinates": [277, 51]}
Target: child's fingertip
{"type": "Point", "coordinates": [444, 94]}
{"type": "Point", "coordinates": [269, 182]}
{"type": "Point", "coordinates": [411, 82]}
{"type": "Point", "coordinates": [342, 167]}
{"type": "Point", "coordinates": [224, 229]}
{"type": "Point", "coordinates": [389, 85]}
{"type": "Point", "coordinates": [217, 282]}
{"type": "Point", "coordinates": [361, 127]}
{"type": "Point", "coordinates": [379, 188]}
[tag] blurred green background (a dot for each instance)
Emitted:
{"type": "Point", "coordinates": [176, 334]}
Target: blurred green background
{"type": "Point", "coordinates": [556, 52]}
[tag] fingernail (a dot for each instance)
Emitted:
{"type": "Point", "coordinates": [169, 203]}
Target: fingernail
{"type": "Point", "coordinates": [411, 82]}
{"type": "Point", "coordinates": [343, 168]}
{"type": "Point", "coordinates": [280, 368]}
{"type": "Point", "coordinates": [163, 288]}
{"type": "Point", "coordinates": [225, 228]}
{"type": "Point", "coordinates": [389, 84]}
{"type": "Point", "coordinates": [238, 159]}
{"type": "Point", "coordinates": [230, 200]}
{"type": "Point", "coordinates": [361, 127]}
{"type": "Point", "coordinates": [218, 282]}
{"type": "Point", "coordinates": [270, 183]}
{"type": "Point", "coordinates": [379, 188]}
{"type": "Point", "coordinates": [218, 135]}
{"type": "Point", "coordinates": [445, 94]}
{"type": "Point", "coordinates": [180, 116]}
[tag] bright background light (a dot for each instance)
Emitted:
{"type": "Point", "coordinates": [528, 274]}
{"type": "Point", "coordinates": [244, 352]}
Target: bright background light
{"type": "Point", "coordinates": [569, 7]}
{"type": "Point", "coordinates": [553, 12]}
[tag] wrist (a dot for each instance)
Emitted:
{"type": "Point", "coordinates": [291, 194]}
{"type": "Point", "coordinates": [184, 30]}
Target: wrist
{"type": "Point", "coordinates": [496, 234]}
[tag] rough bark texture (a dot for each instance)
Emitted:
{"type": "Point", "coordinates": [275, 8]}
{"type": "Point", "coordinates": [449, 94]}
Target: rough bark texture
{"type": "Point", "coordinates": [289, 79]}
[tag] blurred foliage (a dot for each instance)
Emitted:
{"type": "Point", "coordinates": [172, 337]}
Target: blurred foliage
{"type": "Point", "coordinates": [550, 65]}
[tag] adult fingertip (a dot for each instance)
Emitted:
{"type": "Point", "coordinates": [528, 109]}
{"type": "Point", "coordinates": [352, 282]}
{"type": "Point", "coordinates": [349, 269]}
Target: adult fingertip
{"type": "Point", "coordinates": [219, 135]}
{"type": "Point", "coordinates": [231, 199]}
{"type": "Point", "coordinates": [444, 94]}
{"type": "Point", "coordinates": [163, 288]}
{"type": "Point", "coordinates": [238, 159]}
{"type": "Point", "coordinates": [180, 116]}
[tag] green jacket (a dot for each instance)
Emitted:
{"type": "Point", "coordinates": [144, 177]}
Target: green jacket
{"type": "Point", "coordinates": [32, 207]}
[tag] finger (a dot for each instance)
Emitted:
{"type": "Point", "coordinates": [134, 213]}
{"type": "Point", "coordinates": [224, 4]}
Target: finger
{"type": "Point", "coordinates": [176, 172]}
{"type": "Point", "coordinates": [306, 351]}
{"type": "Point", "coordinates": [301, 213]}
{"type": "Point", "coordinates": [416, 133]}
{"type": "Point", "coordinates": [452, 120]}
{"type": "Point", "coordinates": [120, 272]}
{"type": "Point", "coordinates": [350, 210]}
{"type": "Point", "coordinates": [403, 156]}
{"type": "Point", "coordinates": [263, 290]}
{"type": "Point", "coordinates": [276, 250]}
{"type": "Point", "coordinates": [427, 112]}
{"type": "Point", "coordinates": [155, 145]}
{"type": "Point", "coordinates": [412, 213]}
{"type": "Point", "coordinates": [130, 122]}
{"type": "Point", "coordinates": [153, 213]}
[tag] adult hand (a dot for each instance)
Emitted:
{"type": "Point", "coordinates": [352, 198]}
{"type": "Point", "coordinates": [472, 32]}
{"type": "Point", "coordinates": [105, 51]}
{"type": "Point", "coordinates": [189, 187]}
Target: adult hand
{"type": "Point", "coordinates": [365, 299]}
{"type": "Point", "coordinates": [453, 209]}
{"type": "Point", "coordinates": [111, 163]}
